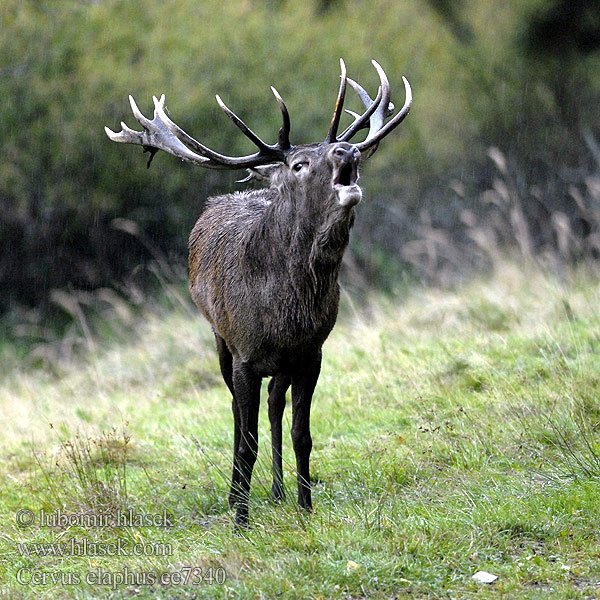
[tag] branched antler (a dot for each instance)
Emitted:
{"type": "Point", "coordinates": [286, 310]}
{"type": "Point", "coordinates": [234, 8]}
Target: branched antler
{"type": "Point", "coordinates": [161, 133]}
{"type": "Point", "coordinates": [377, 111]}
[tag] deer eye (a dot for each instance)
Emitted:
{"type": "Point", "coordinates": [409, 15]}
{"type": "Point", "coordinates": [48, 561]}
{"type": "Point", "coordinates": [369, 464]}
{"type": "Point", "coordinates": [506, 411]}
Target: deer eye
{"type": "Point", "coordinates": [299, 166]}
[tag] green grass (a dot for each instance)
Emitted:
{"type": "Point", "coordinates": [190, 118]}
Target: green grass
{"type": "Point", "coordinates": [453, 432]}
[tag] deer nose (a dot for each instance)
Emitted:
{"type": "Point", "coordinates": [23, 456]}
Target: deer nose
{"type": "Point", "coordinates": [347, 154]}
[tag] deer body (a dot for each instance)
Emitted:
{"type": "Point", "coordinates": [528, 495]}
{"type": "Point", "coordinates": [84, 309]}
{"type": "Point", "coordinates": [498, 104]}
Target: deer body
{"type": "Point", "coordinates": [264, 266]}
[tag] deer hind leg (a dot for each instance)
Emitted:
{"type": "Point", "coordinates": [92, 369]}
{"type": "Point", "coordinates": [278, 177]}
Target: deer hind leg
{"type": "Point", "coordinates": [226, 364]}
{"type": "Point", "coordinates": [246, 385]}
{"type": "Point", "coordinates": [225, 361]}
{"type": "Point", "coordinates": [278, 386]}
{"type": "Point", "coordinates": [304, 381]}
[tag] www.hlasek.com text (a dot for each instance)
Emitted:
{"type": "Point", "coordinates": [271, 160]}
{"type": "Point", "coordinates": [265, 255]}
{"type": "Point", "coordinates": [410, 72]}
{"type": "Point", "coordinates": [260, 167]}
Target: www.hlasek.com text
{"type": "Point", "coordinates": [86, 547]}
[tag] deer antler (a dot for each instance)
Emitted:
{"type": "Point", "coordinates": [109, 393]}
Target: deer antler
{"type": "Point", "coordinates": [377, 111]}
{"type": "Point", "coordinates": [377, 129]}
{"type": "Point", "coordinates": [161, 133]}
{"type": "Point", "coordinates": [155, 136]}
{"type": "Point", "coordinates": [361, 121]}
{"type": "Point", "coordinates": [337, 113]}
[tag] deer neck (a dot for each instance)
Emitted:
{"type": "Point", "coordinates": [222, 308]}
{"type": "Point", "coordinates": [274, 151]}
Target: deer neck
{"type": "Point", "coordinates": [319, 236]}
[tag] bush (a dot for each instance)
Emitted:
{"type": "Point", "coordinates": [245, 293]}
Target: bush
{"type": "Point", "coordinates": [68, 67]}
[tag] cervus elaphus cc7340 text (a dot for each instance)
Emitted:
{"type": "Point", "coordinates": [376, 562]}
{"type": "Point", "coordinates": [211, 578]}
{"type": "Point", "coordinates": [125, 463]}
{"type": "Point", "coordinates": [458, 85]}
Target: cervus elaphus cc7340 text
{"type": "Point", "coordinates": [264, 264]}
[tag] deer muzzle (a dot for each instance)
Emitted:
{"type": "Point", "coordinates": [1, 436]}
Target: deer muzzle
{"type": "Point", "coordinates": [345, 175]}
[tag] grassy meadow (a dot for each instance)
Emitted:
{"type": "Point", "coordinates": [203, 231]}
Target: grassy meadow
{"type": "Point", "coordinates": [454, 432]}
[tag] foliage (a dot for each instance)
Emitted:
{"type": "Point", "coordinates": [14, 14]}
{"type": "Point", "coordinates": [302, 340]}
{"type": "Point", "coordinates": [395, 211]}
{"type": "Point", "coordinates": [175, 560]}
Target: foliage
{"type": "Point", "coordinates": [70, 200]}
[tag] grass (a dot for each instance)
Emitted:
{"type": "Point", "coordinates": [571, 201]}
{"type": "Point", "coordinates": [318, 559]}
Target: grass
{"type": "Point", "coordinates": [454, 431]}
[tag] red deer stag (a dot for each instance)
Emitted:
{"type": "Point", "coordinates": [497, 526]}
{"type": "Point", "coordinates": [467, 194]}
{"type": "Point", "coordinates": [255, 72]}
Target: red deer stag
{"type": "Point", "coordinates": [264, 264]}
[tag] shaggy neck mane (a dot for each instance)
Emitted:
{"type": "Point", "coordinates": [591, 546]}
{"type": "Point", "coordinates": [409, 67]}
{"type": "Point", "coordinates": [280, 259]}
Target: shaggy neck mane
{"type": "Point", "coordinates": [314, 238]}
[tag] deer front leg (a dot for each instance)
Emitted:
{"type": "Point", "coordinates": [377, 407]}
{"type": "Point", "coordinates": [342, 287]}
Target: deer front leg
{"type": "Point", "coordinates": [304, 381]}
{"type": "Point", "coordinates": [277, 388]}
{"type": "Point", "coordinates": [226, 364]}
{"type": "Point", "coordinates": [246, 385]}
{"type": "Point", "coordinates": [235, 474]}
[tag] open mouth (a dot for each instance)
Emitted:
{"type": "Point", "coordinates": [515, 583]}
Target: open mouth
{"type": "Point", "coordinates": [346, 175]}
{"type": "Point", "coordinates": [345, 184]}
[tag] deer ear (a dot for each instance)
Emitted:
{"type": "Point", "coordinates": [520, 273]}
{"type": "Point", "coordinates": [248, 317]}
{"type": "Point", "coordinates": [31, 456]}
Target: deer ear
{"type": "Point", "coordinates": [262, 173]}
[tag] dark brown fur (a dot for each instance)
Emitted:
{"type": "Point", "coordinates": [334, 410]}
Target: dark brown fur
{"type": "Point", "coordinates": [263, 270]}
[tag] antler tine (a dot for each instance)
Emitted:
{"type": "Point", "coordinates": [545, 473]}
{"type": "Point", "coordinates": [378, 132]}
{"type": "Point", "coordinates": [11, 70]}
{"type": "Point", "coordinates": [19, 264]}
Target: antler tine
{"type": "Point", "coordinates": [360, 120]}
{"type": "Point", "coordinates": [361, 92]}
{"type": "Point", "coordinates": [284, 132]}
{"type": "Point", "coordinates": [376, 136]}
{"type": "Point", "coordinates": [337, 113]}
{"type": "Point", "coordinates": [137, 113]}
{"type": "Point", "coordinates": [378, 118]}
{"type": "Point", "coordinates": [263, 146]}
{"type": "Point", "coordinates": [126, 135]}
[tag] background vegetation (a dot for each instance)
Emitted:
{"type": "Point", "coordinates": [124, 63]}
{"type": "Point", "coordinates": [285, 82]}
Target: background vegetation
{"type": "Point", "coordinates": [500, 149]}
